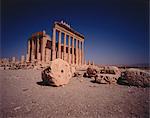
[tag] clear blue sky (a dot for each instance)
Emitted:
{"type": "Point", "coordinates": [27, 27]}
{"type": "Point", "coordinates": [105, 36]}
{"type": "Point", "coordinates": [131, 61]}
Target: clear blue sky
{"type": "Point", "coordinates": [116, 31]}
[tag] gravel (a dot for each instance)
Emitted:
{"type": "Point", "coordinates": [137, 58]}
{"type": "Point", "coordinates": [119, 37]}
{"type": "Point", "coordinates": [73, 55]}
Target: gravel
{"type": "Point", "coordinates": [24, 96]}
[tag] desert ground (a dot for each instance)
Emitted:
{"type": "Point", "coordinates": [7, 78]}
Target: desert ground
{"type": "Point", "coordinates": [23, 95]}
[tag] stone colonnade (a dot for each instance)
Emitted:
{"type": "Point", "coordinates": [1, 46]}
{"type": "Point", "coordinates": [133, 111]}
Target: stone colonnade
{"type": "Point", "coordinates": [73, 52]}
{"type": "Point", "coordinates": [69, 46]}
{"type": "Point", "coordinates": [37, 50]}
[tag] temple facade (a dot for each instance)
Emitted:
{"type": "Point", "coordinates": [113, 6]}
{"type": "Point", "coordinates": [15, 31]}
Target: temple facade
{"type": "Point", "coordinates": [66, 43]}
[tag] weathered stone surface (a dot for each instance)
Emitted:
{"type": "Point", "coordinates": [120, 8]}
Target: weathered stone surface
{"type": "Point", "coordinates": [73, 70]}
{"type": "Point", "coordinates": [108, 75]}
{"type": "Point", "coordinates": [103, 75]}
{"type": "Point", "coordinates": [92, 71]}
{"type": "Point", "coordinates": [136, 77]}
{"type": "Point", "coordinates": [110, 70]}
{"type": "Point", "coordinates": [106, 78]}
{"type": "Point", "coordinates": [58, 73]}
{"type": "Point", "coordinates": [78, 74]}
{"type": "Point", "coordinates": [85, 74]}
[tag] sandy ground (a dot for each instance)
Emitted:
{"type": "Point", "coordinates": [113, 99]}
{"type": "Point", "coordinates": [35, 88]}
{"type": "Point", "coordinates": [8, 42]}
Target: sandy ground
{"type": "Point", "coordinates": [24, 96]}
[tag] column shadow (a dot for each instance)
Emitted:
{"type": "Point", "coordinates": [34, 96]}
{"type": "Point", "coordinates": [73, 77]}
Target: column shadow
{"type": "Point", "coordinates": [42, 83]}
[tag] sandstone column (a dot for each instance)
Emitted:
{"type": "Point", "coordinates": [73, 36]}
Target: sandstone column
{"type": "Point", "coordinates": [28, 52]}
{"type": "Point", "coordinates": [65, 46]}
{"type": "Point", "coordinates": [54, 45]}
{"type": "Point", "coordinates": [47, 55]}
{"type": "Point", "coordinates": [72, 50]}
{"type": "Point", "coordinates": [77, 52]}
{"type": "Point", "coordinates": [42, 48]}
{"type": "Point", "coordinates": [32, 51]}
{"type": "Point", "coordinates": [92, 63]}
{"type": "Point", "coordinates": [89, 63]}
{"type": "Point", "coordinates": [44, 40]}
{"type": "Point", "coordinates": [83, 52]}
{"type": "Point", "coordinates": [69, 60]}
{"type": "Point", "coordinates": [22, 59]}
{"type": "Point", "coordinates": [38, 47]}
{"type": "Point", "coordinates": [59, 45]}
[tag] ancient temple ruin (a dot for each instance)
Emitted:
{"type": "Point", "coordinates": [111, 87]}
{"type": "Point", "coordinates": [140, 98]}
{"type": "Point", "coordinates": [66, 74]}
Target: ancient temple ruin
{"type": "Point", "coordinates": [69, 46]}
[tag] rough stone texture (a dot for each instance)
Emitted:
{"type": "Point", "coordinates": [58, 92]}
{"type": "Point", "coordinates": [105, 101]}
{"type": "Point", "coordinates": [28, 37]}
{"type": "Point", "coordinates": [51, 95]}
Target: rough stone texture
{"type": "Point", "coordinates": [108, 75]}
{"type": "Point", "coordinates": [48, 55]}
{"type": "Point", "coordinates": [106, 78]}
{"type": "Point", "coordinates": [110, 70]}
{"type": "Point", "coordinates": [92, 71]}
{"type": "Point", "coordinates": [103, 75]}
{"type": "Point", "coordinates": [78, 74]}
{"type": "Point", "coordinates": [136, 77]}
{"type": "Point", "coordinates": [58, 73]}
{"type": "Point", "coordinates": [73, 70]}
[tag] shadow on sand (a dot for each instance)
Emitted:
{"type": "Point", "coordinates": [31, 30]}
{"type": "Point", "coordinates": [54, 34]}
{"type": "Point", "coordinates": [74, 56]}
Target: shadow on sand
{"type": "Point", "coordinates": [93, 81]}
{"type": "Point", "coordinates": [42, 83]}
{"type": "Point", "coordinates": [120, 81]}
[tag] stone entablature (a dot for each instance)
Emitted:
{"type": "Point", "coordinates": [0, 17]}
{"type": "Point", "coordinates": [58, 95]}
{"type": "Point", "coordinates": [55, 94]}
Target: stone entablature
{"type": "Point", "coordinates": [68, 29]}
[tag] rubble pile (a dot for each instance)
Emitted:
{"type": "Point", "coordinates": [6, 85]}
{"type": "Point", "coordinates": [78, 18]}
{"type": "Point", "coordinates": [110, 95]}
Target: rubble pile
{"type": "Point", "coordinates": [92, 71]}
{"type": "Point", "coordinates": [59, 72]}
{"type": "Point", "coordinates": [103, 75]}
{"type": "Point", "coordinates": [78, 74]}
{"type": "Point", "coordinates": [9, 65]}
{"type": "Point", "coordinates": [135, 77]}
